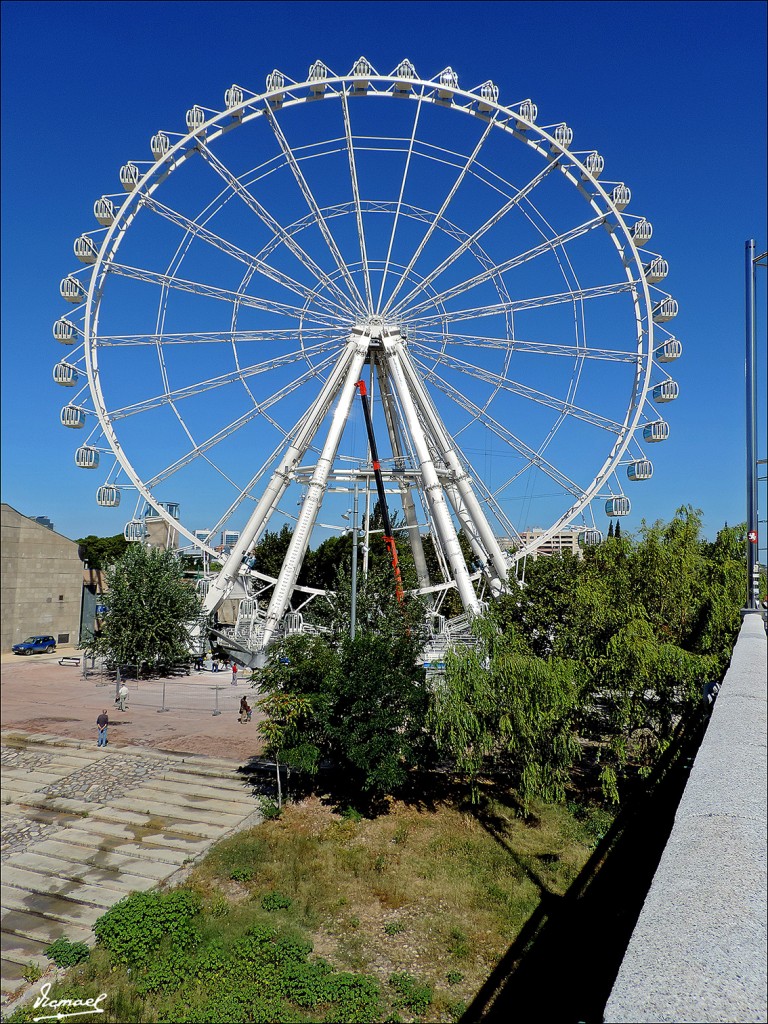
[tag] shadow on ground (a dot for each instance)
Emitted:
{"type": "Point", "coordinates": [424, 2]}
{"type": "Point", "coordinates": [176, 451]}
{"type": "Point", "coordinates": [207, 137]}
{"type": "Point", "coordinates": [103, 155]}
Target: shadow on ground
{"type": "Point", "coordinates": [562, 966]}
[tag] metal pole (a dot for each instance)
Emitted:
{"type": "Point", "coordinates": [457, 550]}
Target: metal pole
{"type": "Point", "coordinates": [353, 603]}
{"type": "Point", "coordinates": [752, 546]}
{"type": "Point", "coordinates": [163, 708]}
{"type": "Point", "coordinates": [216, 709]}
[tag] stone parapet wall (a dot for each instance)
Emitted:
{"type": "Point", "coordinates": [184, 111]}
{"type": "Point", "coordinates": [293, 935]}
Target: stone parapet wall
{"type": "Point", "coordinates": [698, 952]}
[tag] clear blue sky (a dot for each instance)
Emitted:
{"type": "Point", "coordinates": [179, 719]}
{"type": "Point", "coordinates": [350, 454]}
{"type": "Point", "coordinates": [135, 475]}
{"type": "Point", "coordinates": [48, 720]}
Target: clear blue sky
{"type": "Point", "coordinates": [672, 94]}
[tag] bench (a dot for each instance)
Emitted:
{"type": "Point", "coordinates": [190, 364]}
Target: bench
{"type": "Point", "coordinates": [69, 661]}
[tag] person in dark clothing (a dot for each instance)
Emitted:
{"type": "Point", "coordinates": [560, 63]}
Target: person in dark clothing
{"type": "Point", "coordinates": [102, 722]}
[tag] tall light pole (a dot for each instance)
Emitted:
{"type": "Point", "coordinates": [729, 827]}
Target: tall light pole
{"type": "Point", "coordinates": [353, 603]}
{"type": "Point", "coordinates": [751, 396]}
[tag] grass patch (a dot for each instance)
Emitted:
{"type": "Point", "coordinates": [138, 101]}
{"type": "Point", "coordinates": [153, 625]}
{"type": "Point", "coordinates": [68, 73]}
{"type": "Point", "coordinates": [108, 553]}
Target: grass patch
{"type": "Point", "coordinates": [317, 916]}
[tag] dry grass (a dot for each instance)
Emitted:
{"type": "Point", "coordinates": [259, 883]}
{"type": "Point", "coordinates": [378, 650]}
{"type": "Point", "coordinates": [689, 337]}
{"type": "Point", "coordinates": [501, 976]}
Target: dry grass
{"type": "Point", "coordinates": [440, 893]}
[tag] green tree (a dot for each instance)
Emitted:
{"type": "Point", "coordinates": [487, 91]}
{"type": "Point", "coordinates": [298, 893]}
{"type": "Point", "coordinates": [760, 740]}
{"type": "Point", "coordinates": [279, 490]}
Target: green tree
{"type": "Point", "coordinates": [101, 552]}
{"type": "Point", "coordinates": [500, 710]}
{"type": "Point", "coordinates": [149, 609]}
{"type": "Point", "coordinates": [359, 702]}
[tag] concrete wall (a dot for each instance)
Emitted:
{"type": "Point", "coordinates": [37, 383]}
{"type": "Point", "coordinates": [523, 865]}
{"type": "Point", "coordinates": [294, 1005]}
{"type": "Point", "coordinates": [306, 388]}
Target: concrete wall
{"type": "Point", "coordinates": [41, 582]}
{"type": "Point", "coordinates": [698, 952]}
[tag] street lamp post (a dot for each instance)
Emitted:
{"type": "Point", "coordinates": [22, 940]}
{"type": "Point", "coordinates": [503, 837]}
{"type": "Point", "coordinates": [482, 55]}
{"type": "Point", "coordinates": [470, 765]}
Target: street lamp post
{"type": "Point", "coordinates": [751, 387]}
{"type": "Point", "coordinates": [353, 602]}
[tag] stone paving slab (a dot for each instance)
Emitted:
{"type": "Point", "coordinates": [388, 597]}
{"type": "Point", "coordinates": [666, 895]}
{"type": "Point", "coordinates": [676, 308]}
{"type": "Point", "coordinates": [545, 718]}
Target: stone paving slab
{"type": "Point", "coordinates": [83, 826]}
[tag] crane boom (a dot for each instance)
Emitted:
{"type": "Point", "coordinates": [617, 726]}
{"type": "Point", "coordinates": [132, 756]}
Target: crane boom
{"type": "Point", "coordinates": [389, 540]}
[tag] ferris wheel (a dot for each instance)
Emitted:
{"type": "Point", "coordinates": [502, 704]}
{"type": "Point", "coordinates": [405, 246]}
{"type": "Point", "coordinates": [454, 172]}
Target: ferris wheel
{"type": "Point", "coordinates": [473, 267]}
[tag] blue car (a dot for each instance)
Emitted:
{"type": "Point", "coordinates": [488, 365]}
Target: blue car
{"type": "Point", "coordinates": [35, 645]}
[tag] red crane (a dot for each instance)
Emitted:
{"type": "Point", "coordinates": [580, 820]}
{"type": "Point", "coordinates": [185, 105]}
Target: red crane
{"type": "Point", "coordinates": [389, 540]}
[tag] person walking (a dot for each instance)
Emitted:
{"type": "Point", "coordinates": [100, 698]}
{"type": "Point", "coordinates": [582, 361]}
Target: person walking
{"type": "Point", "coordinates": [234, 673]}
{"type": "Point", "coordinates": [122, 697]}
{"type": "Point", "coordinates": [245, 711]}
{"type": "Point", "coordinates": [101, 723]}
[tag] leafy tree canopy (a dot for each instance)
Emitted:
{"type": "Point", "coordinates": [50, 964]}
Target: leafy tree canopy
{"type": "Point", "coordinates": [100, 552]}
{"type": "Point", "coordinates": [149, 609]}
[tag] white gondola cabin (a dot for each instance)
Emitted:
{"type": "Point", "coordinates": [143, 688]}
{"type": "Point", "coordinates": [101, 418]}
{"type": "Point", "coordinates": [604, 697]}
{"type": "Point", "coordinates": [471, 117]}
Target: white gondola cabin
{"type": "Point", "coordinates": [563, 136]}
{"type": "Point", "coordinates": [159, 145]}
{"type": "Point", "coordinates": [195, 119]}
{"type": "Point", "coordinates": [665, 310]}
{"type": "Point", "coordinates": [656, 431]}
{"type": "Point", "coordinates": [530, 112]}
{"type": "Point", "coordinates": [619, 505]}
{"type": "Point", "coordinates": [276, 86]}
{"type": "Point", "coordinates": [72, 416]}
{"type": "Point", "coordinates": [85, 249]}
{"type": "Point", "coordinates": [108, 496]}
{"type": "Point", "coordinates": [134, 530]}
{"type": "Point", "coordinates": [489, 95]}
{"type": "Point", "coordinates": [71, 290]}
{"type": "Point", "coordinates": [317, 76]}
{"type": "Point", "coordinates": [361, 73]}
{"type": "Point", "coordinates": [590, 538]}
{"type": "Point", "coordinates": [65, 375]}
{"type": "Point", "coordinates": [621, 196]}
{"type": "Point", "coordinates": [104, 211]}
{"type": "Point", "coordinates": [129, 176]}
{"type": "Point", "coordinates": [65, 331]}
{"type": "Point", "coordinates": [656, 270]}
{"type": "Point", "coordinates": [447, 82]}
{"type": "Point", "coordinates": [669, 351]}
{"type": "Point", "coordinates": [640, 470]}
{"type": "Point", "coordinates": [594, 165]}
{"type": "Point", "coordinates": [641, 231]}
{"type": "Point", "coordinates": [405, 75]}
{"type": "Point", "coordinates": [87, 457]}
{"type": "Point", "coordinates": [667, 391]}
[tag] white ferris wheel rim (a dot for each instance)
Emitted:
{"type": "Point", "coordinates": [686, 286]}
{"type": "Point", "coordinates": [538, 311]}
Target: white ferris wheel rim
{"type": "Point", "coordinates": [422, 91]}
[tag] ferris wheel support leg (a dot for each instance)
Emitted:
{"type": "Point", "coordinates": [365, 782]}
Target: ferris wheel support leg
{"type": "Point", "coordinates": [221, 587]}
{"type": "Point", "coordinates": [499, 566]}
{"type": "Point", "coordinates": [433, 488]}
{"type": "Point", "coordinates": [313, 498]}
{"type": "Point", "coordinates": [409, 507]}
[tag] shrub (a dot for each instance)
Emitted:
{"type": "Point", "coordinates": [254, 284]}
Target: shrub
{"type": "Point", "coordinates": [269, 809]}
{"type": "Point", "coordinates": [31, 972]}
{"type": "Point", "coordinates": [394, 928]}
{"type": "Point", "coordinates": [414, 995]}
{"type": "Point", "coordinates": [134, 928]}
{"type": "Point", "coordinates": [454, 977]}
{"type": "Point", "coordinates": [67, 954]}
{"type": "Point", "coordinates": [275, 901]}
{"type": "Point", "coordinates": [241, 874]}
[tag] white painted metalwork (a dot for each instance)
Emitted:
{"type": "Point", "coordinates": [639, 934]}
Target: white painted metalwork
{"type": "Point", "coordinates": [335, 236]}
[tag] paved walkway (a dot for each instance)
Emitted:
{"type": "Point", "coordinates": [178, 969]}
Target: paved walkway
{"type": "Point", "coordinates": [83, 826]}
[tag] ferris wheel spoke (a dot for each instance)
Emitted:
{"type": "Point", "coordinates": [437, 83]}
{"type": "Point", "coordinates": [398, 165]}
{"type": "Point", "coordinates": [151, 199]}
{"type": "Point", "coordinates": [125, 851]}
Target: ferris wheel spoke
{"type": "Point", "coordinates": [515, 261]}
{"type": "Point", "coordinates": [274, 226]}
{"type": "Point", "coordinates": [516, 305]}
{"type": "Point", "coordinates": [356, 197]}
{"type": "Point", "coordinates": [513, 387]}
{"type": "Point", "coordinates": [252, 262]}
{"type": "Point", "coordinates": [312, 203]}
{"type": "Point", "coordinates": [239, 423]}
{"type": "Point", "coordinates": [533, 347]}
{"type": "Point", "coordinates": [483, 416]}
{"type": "Point", "coordinates": [409, 154]}
{"type": "Point", "coordinates": [213, 292]}
{"type": "Point", "coordinates": [475, 237]}
{"type": "Point", "coordinates": [241, 374]}
{"type": "Point", "coordinates": [440, 214]}
{"type": "Point", "coordinates": [276, 335]}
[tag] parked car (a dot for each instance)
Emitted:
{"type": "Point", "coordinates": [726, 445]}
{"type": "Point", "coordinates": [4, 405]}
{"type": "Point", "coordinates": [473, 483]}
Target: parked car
{"type": "Point", "coordinates": [36, 645]}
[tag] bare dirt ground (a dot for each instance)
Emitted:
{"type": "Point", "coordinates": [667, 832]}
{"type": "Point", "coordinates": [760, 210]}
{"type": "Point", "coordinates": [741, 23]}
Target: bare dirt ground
{"type": "Point", "coordinates": [40, 695]}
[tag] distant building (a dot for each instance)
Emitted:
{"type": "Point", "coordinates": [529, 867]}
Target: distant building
{"type": "Point", "coordinates": [41, 586]}
{"type": "Point", "coordinates": [564, 540]}
{"type": "Point", "coordinates": [44, 521]}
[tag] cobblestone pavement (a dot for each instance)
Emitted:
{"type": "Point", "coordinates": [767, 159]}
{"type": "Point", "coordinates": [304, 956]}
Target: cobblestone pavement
{"type": "Point", "coordinates": [106, 780]}
{"type": "Point", "coordinates": [19, 832]}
